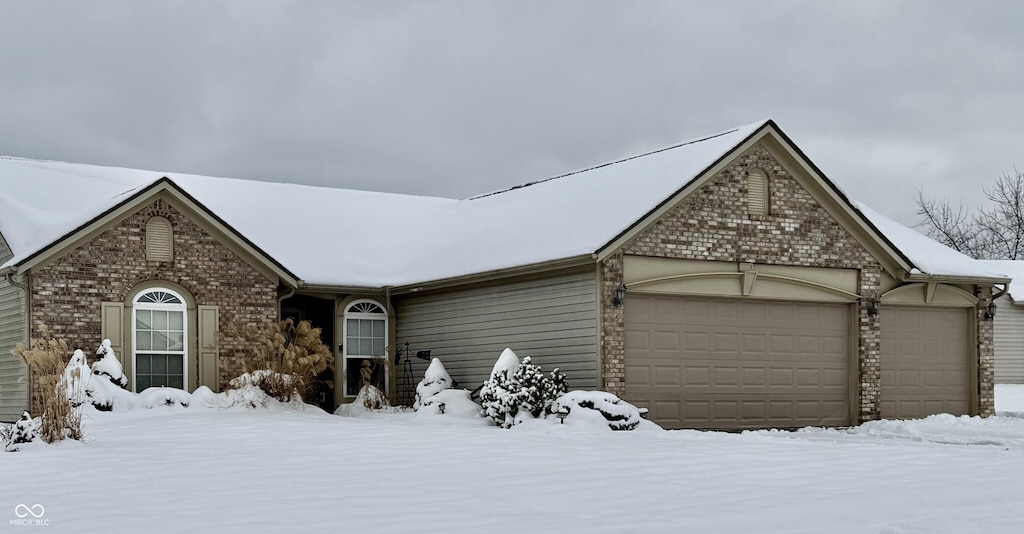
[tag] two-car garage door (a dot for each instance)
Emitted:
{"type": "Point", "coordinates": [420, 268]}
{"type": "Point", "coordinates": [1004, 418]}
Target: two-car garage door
{"type": "Point", "coordinates": [699, 362]}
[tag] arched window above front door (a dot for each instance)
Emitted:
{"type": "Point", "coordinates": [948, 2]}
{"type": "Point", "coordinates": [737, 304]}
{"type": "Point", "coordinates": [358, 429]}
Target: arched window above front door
{"type": "Point", "coordinates": [365, 346]}
{"type": "Point", "coordinates": [159, 339]}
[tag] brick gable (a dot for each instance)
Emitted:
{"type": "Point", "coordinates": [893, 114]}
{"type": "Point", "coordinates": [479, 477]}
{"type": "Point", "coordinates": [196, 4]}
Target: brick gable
{"type": "Point", "coordinates": [67, 292]}
{"type": "Point", "coordinates": [712, 223]}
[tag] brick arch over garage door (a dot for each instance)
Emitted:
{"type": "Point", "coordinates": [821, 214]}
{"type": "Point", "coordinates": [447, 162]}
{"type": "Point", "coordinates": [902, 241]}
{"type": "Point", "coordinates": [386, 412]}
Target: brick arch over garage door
{"type": "Point", "coordinates": [699, 362]}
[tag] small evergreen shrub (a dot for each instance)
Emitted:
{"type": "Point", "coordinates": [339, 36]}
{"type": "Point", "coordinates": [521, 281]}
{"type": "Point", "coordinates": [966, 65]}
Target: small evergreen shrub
{"type": "Point", "coordinates": [516, 390]}
{"type": "Point", "coordinates": [435, 380]}
{"type": "Point", "coordinates": [598, 406]}
{"type": "Point", "coordinates": [108, 366]}
{"type": "Point", "coordinates": [25, 430]}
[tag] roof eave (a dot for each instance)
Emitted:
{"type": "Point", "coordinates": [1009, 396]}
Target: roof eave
{"type": "Point", "coordinates": [957, 279]}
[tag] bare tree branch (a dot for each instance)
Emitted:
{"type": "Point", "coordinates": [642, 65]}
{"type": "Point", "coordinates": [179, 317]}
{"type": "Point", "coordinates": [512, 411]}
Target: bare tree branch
{"type": "Point", "coordinates": [996, 231]}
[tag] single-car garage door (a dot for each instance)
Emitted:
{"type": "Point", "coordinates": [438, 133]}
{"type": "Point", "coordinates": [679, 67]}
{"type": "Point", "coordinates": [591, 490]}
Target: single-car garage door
{"type": "Point", "coordinates": [925, 362]}
{"type": "Point", "coordinates": [734, 363]}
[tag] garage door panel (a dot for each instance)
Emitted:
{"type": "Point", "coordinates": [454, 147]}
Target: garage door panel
{"type": "Point", "coordinates": [925, 362]}
{"type": "Point", "coordinates": [753, 377]}
{"type": "Point", "coordinates": [638, 340]}
{"type": "Point", "coordinates": [638, 374]}
{"type": "Point", "coordinates": [669, 341]}
{"type": "Point", "coordinates": [756, 343]}
{"type": "Point", "coordinates": [667, 376]}
{"type": "Point", "coordinates": [765, 363]}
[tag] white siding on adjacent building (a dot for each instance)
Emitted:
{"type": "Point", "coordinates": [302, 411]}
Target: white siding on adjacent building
{"type": "Point", "coordinates": [5, 250]}
{"type": "Point", "coordinates": [13, 372]}
{"type": "Point", "coordinates": [553, 320]}
{"type": "Point", "coordinates": [1009, 342]}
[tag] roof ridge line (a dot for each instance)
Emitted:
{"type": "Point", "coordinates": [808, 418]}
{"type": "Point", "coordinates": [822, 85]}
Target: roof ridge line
{"type": "Point", "coordinates": [610, 163]}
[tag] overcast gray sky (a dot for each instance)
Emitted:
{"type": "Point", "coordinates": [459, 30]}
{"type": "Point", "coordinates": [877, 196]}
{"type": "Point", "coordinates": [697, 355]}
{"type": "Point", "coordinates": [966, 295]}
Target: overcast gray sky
{"type": "Point", "coordinates": [458, 98]}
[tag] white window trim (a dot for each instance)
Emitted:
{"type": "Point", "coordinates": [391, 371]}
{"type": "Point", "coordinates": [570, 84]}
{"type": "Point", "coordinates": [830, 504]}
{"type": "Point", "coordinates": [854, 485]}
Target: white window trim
{"type": "Point", "coordinates": [344, 353]}
{"type": "Point", "coordinates": [183, 308]}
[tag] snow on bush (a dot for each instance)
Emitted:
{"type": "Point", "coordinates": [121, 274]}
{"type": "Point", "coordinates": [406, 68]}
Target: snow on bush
{"type": "Point", "coordinates": [106, 396]}
{"type": "Point", "coordinates": [25, 430]}
{"type": "Point", "coordinates": [435, 380]}
{"type": "Point", "coordinates": [518, 390]}
{"type": "Point", "coordinates": [451, 402]}
{"type": "Point", "coordinates": [76, 378]}
{"type": "Point", "coordinates": [598, 407]}
{"type": "Point", "coordinates": [107, 365]}
{"type": "Point", "coordinates": [107, 386]}
{"type": "Point", "coordinates": [160, 396]}
{"type": "Point", "coordinates": [247, 390]}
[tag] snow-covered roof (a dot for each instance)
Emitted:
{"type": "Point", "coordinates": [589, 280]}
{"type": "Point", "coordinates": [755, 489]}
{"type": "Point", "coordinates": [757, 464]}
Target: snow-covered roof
{"type": "Point", "coordinates": [928, 255]}
{"type": "Point", "coordinates": [341, 237]}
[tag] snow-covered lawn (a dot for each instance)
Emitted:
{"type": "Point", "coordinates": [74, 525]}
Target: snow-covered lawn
{"type": "Point", "coordinates": [237, 470]}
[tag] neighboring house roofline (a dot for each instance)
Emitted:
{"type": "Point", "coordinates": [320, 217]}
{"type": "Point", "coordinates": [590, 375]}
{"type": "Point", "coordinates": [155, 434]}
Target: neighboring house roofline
{"type": "Point", "coordinates": [135, 201]}
{"type": "Point", "coordinates": [893, 260]}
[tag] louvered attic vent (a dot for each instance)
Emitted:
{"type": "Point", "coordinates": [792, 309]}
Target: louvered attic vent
{"type": "Point", "coordinates": [159, 240]}
{"type": "Point", "coordinates": [757, 193]}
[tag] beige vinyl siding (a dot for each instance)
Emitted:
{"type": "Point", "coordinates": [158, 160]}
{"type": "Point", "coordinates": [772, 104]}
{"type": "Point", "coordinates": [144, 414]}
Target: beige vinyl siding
{"type": "Point", "coordinates": [13, 374]}
{"type": "Point", "coordinates": [1009, 342]}
{"type": "Point", "coordinates": [553, 319]}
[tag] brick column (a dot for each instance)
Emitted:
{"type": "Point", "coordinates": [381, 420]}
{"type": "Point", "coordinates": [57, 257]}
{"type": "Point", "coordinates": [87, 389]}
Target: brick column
{"type": "Point", "coordinates": [869, 346]}
{"type": "Point", "coordinates": [613, 336]}
{"type": "Point", "coordinates": [986, 354]}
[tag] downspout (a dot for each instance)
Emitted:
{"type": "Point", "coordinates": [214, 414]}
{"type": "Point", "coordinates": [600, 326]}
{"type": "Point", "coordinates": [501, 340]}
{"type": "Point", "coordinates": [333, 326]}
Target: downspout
{"type": "Point", "coordinates": [9, 278]}
{"type": "Point", "coordinates": [1006, 289]}
{"type": "Point", "coordinates": [281, 299]}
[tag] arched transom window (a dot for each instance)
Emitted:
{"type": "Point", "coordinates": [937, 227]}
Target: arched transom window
{"type": "Point", "coordinates": [365, 347]}
{"type": "Point", "coordinates": [159, 339]}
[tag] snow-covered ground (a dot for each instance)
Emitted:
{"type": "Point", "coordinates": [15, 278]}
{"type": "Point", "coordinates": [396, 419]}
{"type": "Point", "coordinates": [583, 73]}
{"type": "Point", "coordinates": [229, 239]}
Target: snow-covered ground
{"type": "Point", "coordinates": [173, 469]}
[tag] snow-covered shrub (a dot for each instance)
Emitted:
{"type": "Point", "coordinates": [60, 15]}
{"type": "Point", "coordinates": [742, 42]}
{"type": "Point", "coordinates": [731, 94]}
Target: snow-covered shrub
{"type": "Point", "coordinates": [457, 403]}
{"type": "Point", "coordinates": [107, 365]}
{"type": "Point", "coordinates": [435, 380]}
{"type": "Point", "coordinates": [293, 355]}
{"type": "Point", "coordinates": [154, 397]}
{"type": "Point", "coordinates": [259, 389]}
{"type": "Point", "coordinates": [597, 407]}
{"type": "Point", "coordinates": [25, 430]}
{"type": "Point", "coordinates": [371, 397]}
{"type": "Point", "coordinates": [517, 390]}
{"type": "Point", "coordinates": [76, 378]}
{"type": "Point", "coordinates": [45, 359]}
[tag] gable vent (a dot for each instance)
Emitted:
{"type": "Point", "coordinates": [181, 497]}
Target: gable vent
{"type": "Point", "coordinates": [757, 193]}
{"type": "Point", "coordinates": [159, 240]}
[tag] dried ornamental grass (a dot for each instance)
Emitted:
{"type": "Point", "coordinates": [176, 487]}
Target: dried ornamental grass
{"type": "Point", "coordinates": [45, 358]}
{"type": "Point", "coordinates": [293, 353]}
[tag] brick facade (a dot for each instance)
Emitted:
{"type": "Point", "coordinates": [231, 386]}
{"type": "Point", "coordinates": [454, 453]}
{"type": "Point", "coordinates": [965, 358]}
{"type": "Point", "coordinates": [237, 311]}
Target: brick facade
{"type": "Point", "coordinates": [712, 223]}
{"type": "Point", "coordinates": [986, 354]}
{"type": "Point", "coordinates": [66, 293]}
